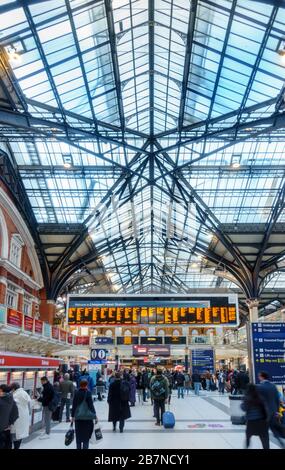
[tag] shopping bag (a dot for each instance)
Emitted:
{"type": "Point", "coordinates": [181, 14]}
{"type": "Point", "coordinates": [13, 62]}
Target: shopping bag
{"type": "Point", "coordinates": [97, 434]}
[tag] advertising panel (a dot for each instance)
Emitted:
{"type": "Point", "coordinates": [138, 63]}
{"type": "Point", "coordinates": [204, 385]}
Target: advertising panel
{"type": "Point", "coordinates": [268, 344]}
{"type": "Point", "coordinates": [151, 340]}
{"type": "Point", "coordinates": [38, 327]}
{"type": "Point", "coordinates": [17, 361]}
{"type": "Point", "coordinates": [28, 323]}
{"type": "Point", "coordinates": [210, 310]}
{"type": "Point", "coordinates": [149, 350]}
{"type": "Point", "coordinates": [14, 318]}
{"type": "Point", "coordinates": [202, 360]}
{"type": "Point", "coordinates": [54, 332]}
{"type": "Point", "coordinates": [62, 335]}
{"type": "Point", "coordinates": [82, 340]}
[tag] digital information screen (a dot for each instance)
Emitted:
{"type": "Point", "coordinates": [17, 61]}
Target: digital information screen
{"type": "Point", "coordinates": [212, 310]}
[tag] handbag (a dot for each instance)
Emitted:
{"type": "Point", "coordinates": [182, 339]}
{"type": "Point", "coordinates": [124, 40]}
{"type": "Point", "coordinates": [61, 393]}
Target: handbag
{"type": "Point", "coordinates": [69, 436]}
{"type": "Point", "coordinates": [83, 412]}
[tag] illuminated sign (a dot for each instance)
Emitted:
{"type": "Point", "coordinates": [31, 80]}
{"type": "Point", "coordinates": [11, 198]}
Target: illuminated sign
{"type": "Point", "coordinates": [213, 310]}
{"type": "Point", "coordinates": [148, 350]}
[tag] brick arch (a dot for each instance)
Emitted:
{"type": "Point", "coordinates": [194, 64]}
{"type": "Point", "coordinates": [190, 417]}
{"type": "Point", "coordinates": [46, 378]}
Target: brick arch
{"type": "Point", "coordinates": [142, 329]}
{"type": "Point", "coordinates": [158, 329]}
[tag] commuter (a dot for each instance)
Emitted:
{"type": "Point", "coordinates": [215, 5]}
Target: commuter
{"type": "Point", "coordinates": [118, 400]}
{"type": "Point", "coordinates": [8, 415]}
{"type": "Point", "coordinates": [256, 416]}
{"type": "Point", "coordinates": [140, 386]}
{"type": "Point", "coordinates": [242, 382]}
{"type": "Point", "coordinates": [83, 413]}
{"type": "Point", "coordinates": [46, 398]}
{"type": "Point", "coordinates": [187, 383]}
{"type": "Point", "coordinates": [203, 382]}
{"type": "Point", "coordinates": [21, 427]}
{"type": "Point", "coordinates": [169, 377]}
{"type": "Point", "coordinates": [234, 382]}
{"type": "Point", "coordinates": [208, 380]}
{"type": "Point", "coordinates": [180, 380]}
{"type": "Point", "coordinates": [222, 381]}
{"type": "Point", "coordinates": [90, 381]}
{"type": "Point", "coordinates": [159, 389]}
{"type": "Point", "coordinates": [196, 382]}
{"type": "Point", "coordinates": [145, 384]}
{"type": "Point", "coordinates": [270, 396]}
{"type": "Point", "coordinates": [213, 383]}
{"type": "Point", "coordinates": [111, 378]}
{"type": "Point", "coordinates": [67, 391]}
{"type": "Point", "coordinates": [100, 386]}
{"type": "Point", "coordinates": [133, 389]}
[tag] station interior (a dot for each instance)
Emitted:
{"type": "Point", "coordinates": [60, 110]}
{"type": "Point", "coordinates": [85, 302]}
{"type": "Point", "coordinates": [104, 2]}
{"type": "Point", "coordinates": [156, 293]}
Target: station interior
{"type": "Point", "coordinates": [142, 196]}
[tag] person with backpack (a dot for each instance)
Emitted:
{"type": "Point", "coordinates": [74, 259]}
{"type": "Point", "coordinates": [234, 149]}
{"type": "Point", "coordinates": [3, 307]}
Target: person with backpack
{"type": "Point", "coordinates": [90, 381]}
{"type": "Point", "coordinates": [118, 400]}
{"type": "Point", "coordinates": [159, 389]}
{"type": "Point", "coordinates": [83, 414]}
{"type": "Point", "coordinates": [180, 380]}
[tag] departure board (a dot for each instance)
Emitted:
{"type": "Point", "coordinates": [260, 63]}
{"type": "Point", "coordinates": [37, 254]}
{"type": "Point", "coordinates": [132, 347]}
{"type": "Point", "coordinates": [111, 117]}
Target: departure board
{"type": "Point", "coordinates": [206, 310]}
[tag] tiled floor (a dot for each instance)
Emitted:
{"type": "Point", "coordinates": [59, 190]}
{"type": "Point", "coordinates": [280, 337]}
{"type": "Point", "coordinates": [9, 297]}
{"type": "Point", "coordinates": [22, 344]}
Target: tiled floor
{"type": "Point", "coordinates": [200, 424]}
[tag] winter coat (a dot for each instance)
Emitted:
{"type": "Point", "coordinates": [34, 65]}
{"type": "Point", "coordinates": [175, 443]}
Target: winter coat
{"type": "Point", "coordinates": [8, 411]}
{"type": "Point", "coordinates": [165, 385]}
{"type": "Point", "coordinates": [140, 381]}
{"type": "Point", "coordinates": [21, 427]}
{"type": "Point", "coordinates": [133, 388]}
{"type": "Point", "coordinates": [145, 380]}
{"type": "Point", "coordinates": [66, 387]}
{"type": "Point", "coordinates": [254, 411]}
{"type": "Point", "coordinates": [90, 381]}
{"type": "Point", "coordinates": [83, 428]}
{"type": "Point", "coordinates": [180, 379]}
{"type": "Point", "coordinates": [118, 409]}
{"type": "Point", "coordinates": [47, 394]}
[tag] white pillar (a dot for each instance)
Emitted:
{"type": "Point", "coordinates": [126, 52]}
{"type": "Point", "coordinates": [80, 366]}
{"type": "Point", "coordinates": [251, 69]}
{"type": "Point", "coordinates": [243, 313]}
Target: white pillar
{"type": "Point", "coordinates": [253, 317]}
{"type": "Point", "coordinates": [253, 309]}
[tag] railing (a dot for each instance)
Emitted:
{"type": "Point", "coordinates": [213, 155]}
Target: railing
{"type": "Point", "coordinates": [38, 329]}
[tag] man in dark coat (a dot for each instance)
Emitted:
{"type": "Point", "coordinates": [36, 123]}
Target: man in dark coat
{"type": "Point", "coordinates": [271, 399]}
{"type": "Point", "coordinates": [118, 400]}
{"type": "Point", "coordinates": [45, 399]}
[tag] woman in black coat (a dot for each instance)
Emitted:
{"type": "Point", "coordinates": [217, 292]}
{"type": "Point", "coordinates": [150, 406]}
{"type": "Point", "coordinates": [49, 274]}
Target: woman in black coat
{"type": "Point", "coordinates": [119, 409]}
{"type": "Point", "coordinates": [83, 428]}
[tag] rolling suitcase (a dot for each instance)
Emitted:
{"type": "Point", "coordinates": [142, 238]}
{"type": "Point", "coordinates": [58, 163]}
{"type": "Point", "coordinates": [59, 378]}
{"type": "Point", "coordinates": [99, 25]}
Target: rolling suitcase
{"type": "Point", "coordinates": [168, 419]}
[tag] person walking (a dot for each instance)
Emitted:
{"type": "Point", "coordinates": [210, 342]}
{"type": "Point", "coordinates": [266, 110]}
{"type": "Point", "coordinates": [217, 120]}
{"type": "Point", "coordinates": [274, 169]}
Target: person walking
{"type": "Point", "coordinates": [83, 414]}
{"type": "Point", "coordinates": [169, 376]}
{"type": "Point", "coordinates": [196, 380]}
{"type": "Point", "coordinates": [145, 384]}
{"type": "Point", "coordinates": [256, 416]}
{"type": "Point", "coordinates": [133, 389]}
{"type": "Point", "coordinates": [242, 380]}
{"type": "Point", "coordinates": [21, 427]}
{"type": "Point", "coordinates": [46, 399]}
{"type": "Point", "coordinates": [208, 380]}
{"type": "Point", "coordinates": [180, 380]}
{"type": "Point", "coordinates": [270, 396]}
{"type": "Point", "coordinates": [140, 387]}
{"type": "Point", "coordinates": [187, 383]}
{"type": "Point", "coordinates": [118, 400]}
{"type": "Point", "coordinates": [66, 389]}
{"type": "Point", "coordinates": [222, 382]}
{"type": "Point", "coordinates": [90, 381]}
{"type": "Point", "coordinates": [8, 415]}
{"type": "Point", "coordinates": [159, 389]}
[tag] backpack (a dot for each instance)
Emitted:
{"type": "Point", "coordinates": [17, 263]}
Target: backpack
{"type": "Point", "coordinates": [124, 391]}
{"type": "Point", "coordinates": [158, 389]}
{"type": "Point", "coordinates": [83, 412]}
{"type": "Point", "coordinates": [53, 404]}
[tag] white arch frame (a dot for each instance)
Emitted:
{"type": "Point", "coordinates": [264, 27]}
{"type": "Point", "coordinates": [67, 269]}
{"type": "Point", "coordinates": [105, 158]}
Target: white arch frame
{"type": "Point", "coordinates": [4, 248]}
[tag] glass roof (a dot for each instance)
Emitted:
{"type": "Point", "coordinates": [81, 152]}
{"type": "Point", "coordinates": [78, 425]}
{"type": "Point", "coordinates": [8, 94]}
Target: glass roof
{"type": "Point", "coordinates": [149, 121]}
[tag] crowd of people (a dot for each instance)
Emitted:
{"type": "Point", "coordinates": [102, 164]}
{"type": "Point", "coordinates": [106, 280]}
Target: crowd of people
{"type": "Point", "coordinates": [75, 393]}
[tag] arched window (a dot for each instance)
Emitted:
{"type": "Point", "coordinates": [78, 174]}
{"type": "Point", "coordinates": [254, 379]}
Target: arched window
{"type": "Point", "coordinates": [16, 246]}
{"type": "Point", "coordinates": [161, 333]}
{"type": "Point", "coordinates": [175, 333]}
{"type": "Point", "coordinates": [127, 333]}
{"type": "Point", "coordinates": [95, 333]}
{"type": "Point", "coordinates": [195, 333]}
{"type": "Point", "coordinates": [142, 333]}
{"type": "Point", "coordinates": [108, 333]}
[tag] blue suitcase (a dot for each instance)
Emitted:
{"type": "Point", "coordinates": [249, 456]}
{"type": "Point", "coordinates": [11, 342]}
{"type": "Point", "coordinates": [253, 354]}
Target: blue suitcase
{"type": "Point", "coordinates": [168, 420]}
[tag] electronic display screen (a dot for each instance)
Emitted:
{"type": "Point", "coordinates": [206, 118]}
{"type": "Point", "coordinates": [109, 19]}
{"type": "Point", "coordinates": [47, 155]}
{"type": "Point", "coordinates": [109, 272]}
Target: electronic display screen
{"type": "Point", "coordinates": [210, 310]}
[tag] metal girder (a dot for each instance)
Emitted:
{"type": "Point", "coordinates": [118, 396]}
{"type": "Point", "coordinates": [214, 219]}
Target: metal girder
{"type": "Point", "coordinates": [187, 62]}
{"type": "Point", "coordinates": [40, 126]}
{"type": "Point", "coordinates": [151, 65]}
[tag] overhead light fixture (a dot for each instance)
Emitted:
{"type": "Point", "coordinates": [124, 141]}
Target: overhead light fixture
{"type": "Point", "coordinates": [281, 48]}
{"type": "Point", "coordinates": [67, 160]}
{"type": "Point", "coordinates": [14, 56]}
{"type": "Point", "coordinates": [194, 265]}
{"type": "Point", "coordinates": [235, 160]}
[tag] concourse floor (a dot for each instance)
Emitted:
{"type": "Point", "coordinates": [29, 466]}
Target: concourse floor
{"type": "Point", "coordinates": [201, 423]}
